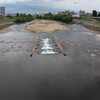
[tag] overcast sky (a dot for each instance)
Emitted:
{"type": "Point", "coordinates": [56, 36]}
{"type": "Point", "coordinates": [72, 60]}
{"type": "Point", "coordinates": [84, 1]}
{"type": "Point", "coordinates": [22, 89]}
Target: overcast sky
{"type": "Point", "coordinates": [36, 6]}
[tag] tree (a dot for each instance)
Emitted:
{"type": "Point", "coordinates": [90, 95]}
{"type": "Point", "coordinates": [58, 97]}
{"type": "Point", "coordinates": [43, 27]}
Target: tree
{"type": "Point", "coordinates": [17, 14]}
{"type": "Point", "coordinates": [58, 17]}
{"type": "Point", "coordinates": [21, 15]}
{"type": "Point", "coordinates": [29, 15]}
{"type": "Point", "coordinates": [94, 13]}
{"type": "Point", "coordinates": [24, 15]}
{"type": "Point", "coordinates": [9, 16]}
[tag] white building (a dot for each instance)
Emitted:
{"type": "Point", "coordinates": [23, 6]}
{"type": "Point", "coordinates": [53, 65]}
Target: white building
{"type": "Point", "coordinates": [13, 14]}
{"type": "Point", "coordinates": [76, 15]}
{"type": "Point", "coordinates": [82, 13]}
{"type": "Point", "coordinates": [2, 11]}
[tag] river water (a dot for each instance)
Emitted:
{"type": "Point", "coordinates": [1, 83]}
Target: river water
{"type": "Point", "coordinates": [45, 75]}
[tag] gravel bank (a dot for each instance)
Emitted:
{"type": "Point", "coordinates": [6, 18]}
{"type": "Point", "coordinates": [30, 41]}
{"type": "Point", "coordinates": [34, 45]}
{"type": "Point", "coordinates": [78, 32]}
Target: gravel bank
{"type": "Point", "coordinates": [45, 26]}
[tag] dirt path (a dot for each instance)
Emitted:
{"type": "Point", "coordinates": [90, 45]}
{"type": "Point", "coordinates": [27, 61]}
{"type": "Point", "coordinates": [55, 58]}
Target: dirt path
{"type": "Point", "coordinates": [45, 26]}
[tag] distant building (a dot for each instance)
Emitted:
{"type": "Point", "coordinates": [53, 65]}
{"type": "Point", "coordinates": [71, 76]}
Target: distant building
{"type": "Point", "coordinates": [98, 13]}
{"type": "Point", "coordinates": [64, 12]}
{"type": "Point", "coordinates": [82, 13]}
{"type": "Point", "coordinates": [13, 14]}
{"type": "Point", "coordinates": [76, 15]}
{"type": "Point", "coordinates": [34, 15]}
{"type": "Point", "coordinates": [2, 11]}
{"type": "Point", "coordinates": [72, 13]}
{"type": "Point", "coordinates": [59, 12]}
{"type": "Point", "coordinates": [67, 12]}
{"type": "Point", "coordinates": [88, 15]}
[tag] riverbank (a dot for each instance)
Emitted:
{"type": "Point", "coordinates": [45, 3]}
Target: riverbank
{"type": "Point", "coordinates": [92, 25]}
{"type": "Point", "coordinates": [91, 28]}
{"type": "Point", "coordinates": [4, 28]}
{"type": "Point", "coordinates": [6, 20]}
{"type": "Point", "coordinates": [45, 26]}
{"type": "Point", "coordinates": [6, 25]}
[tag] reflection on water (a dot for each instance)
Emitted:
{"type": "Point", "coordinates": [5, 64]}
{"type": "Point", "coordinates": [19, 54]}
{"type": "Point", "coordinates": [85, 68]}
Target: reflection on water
{"type": "Point", "coordinates": [18, 29]}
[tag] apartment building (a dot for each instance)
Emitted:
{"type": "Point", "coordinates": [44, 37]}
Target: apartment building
{"type": "Point", "coordinates": [82, 13]}
{"type": "Point", "coordinates": [2, 11]}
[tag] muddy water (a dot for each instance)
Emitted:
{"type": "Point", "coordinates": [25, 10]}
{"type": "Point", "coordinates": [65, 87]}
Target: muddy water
{"type": "Point", "coordinates": [47, 76]}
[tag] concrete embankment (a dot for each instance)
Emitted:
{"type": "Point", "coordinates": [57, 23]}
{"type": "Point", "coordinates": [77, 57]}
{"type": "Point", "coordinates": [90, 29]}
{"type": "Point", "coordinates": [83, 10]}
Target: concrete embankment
{"type": "Point", "coordinates": [6, 25]}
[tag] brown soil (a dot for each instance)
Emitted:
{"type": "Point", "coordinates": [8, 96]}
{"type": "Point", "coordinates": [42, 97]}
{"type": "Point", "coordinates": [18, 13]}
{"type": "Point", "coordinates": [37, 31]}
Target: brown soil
{"type": "Point", "coordinates": [5, 30]}
{"type": "Point", "coordinates": [45, 26]}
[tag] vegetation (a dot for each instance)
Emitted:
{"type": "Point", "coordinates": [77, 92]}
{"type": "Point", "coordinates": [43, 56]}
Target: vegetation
{"type": "Point", "coordinates": [92, 22]}
{"type": "Point", "coordinates": [87, 19]}
{"type": "Point", "coordinates": [58, 17]}
{"type": "Point", "coordinates": [97, 23]}
{"type": "Point", "coordinates": [94, 13]}
{"type": "Point", "coordinates": [2, 20]}
{"type": "Point", "coordinates": [9, 16]}
{"type": "Point", "coordinates": [24, 18]}
{"type": "Point", "coordinates": [84, 19]}
{"type": "Point", "coordinates": [17, 14]}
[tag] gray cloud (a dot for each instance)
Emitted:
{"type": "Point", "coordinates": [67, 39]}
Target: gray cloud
{"type": "Point", "coordinates": [50, 5]}
{"type": "Point", "coordinates": [76, 2]}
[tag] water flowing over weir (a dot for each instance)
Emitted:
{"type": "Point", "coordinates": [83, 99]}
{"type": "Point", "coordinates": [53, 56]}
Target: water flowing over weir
{"type": "Point", "coordinates": [47, 46]}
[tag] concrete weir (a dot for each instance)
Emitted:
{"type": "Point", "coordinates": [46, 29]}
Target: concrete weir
{"type": "Point", "coordinates": [47, 46]}
{"type": "Point", "coordinates": [47, 49]}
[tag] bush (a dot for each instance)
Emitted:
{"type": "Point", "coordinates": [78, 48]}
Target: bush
{"type": "Point", "coordinates": [58, 17]}
{"type": "Point", "coordinates": [9, 16]}
{"type": "Point", "coordinates": [23, 18]}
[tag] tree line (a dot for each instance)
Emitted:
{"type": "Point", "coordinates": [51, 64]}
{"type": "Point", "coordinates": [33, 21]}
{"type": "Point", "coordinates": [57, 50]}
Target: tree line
{"type": "Point", "coordinates": [58, 17]}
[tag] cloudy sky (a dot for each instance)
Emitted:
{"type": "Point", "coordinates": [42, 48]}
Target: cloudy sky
{"type": "Point", "coordinates": [36, 6]}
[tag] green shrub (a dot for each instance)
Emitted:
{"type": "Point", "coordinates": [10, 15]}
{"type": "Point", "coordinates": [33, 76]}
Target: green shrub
{"type": "Point", "coordinates": [24, 18]}
{"type": "Point", "coordinates": [58, 17]}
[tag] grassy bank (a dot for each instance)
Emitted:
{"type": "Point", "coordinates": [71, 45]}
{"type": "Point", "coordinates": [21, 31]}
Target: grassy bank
{"type": "Point", "coordinates": [2, 20]}
{"type": "Point", "coordinates": [87, 20]}
{"type": "Point", "coordinates": [83, 20]}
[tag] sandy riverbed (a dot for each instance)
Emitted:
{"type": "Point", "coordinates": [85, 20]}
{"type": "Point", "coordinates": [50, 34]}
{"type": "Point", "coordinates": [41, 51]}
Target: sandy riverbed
{"type": "Point", "coordinates": [45, 26]}
{"type": "Point", "coordinates": [5, 30]}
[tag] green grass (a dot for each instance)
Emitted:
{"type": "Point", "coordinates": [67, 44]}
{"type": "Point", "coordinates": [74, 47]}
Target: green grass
{"type": "Point", "coordinates": [83, 20]}
{"type": "Point", "coordinates": [86, 19]}
{"type": "Point", "coordinates": [6, 20]}
{"type": "Point", "coordinates": [98, 22]}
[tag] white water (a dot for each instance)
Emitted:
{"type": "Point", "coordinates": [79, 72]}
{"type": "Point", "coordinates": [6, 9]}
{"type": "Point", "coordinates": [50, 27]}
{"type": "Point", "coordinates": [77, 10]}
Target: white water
{"type": "Point", "coordinates": [47, 49]}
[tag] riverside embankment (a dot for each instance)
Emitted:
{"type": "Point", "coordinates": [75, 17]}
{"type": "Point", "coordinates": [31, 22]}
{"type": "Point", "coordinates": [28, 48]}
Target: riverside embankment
{"type": "Point", "coordinates": [6, 25]}
{"type": "Point", "coordinates": [90, 23]}
{"type": "Point", "coordinates": [4, 28]}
